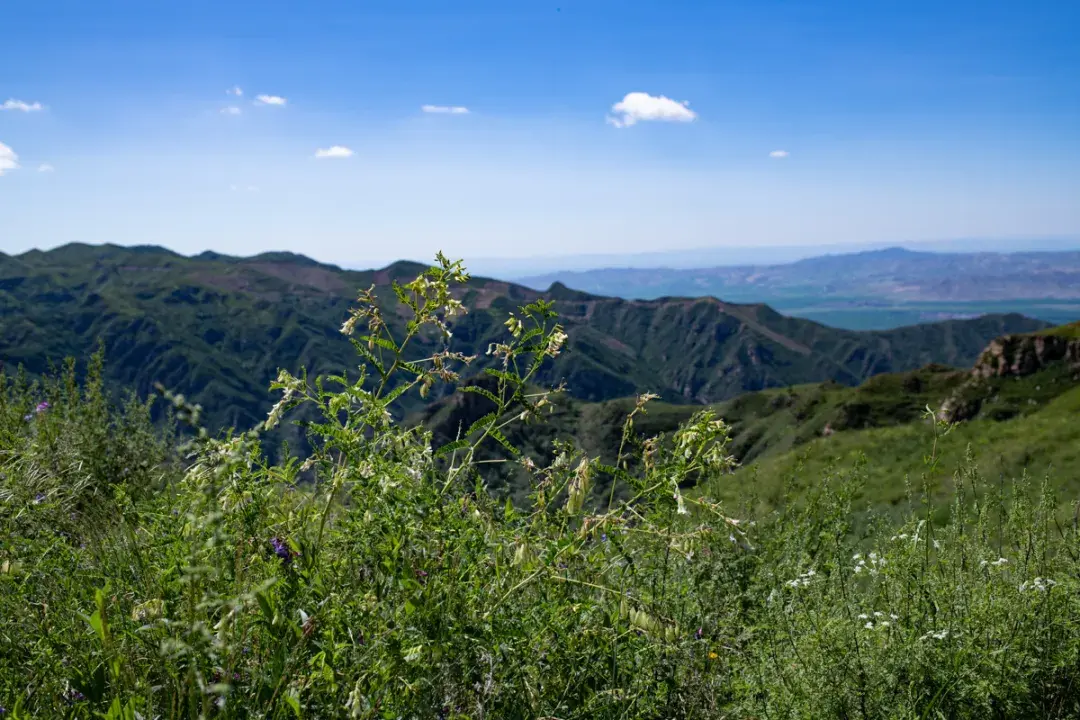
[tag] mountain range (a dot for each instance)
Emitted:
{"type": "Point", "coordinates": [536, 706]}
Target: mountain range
{"type": "Point", "coordinates": [217, 328]}
{"type": "Point", "coordinates": [872, 289]}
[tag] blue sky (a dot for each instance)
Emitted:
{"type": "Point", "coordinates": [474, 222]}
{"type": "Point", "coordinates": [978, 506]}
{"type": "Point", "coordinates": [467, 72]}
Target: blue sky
{"type": "Point", "coordinates": [901, 122]}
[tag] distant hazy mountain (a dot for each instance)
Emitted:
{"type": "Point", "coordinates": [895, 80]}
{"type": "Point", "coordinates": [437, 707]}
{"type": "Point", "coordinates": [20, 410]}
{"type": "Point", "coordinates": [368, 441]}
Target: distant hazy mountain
{"type": "Point", "coordinates": [743, 255]}
{"type": "Point", "coordinates": [890, 274]}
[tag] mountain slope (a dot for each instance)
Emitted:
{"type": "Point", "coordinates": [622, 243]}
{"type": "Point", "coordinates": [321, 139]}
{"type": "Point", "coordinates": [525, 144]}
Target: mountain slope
{"type": "Point", "coordinates": [217, 328]}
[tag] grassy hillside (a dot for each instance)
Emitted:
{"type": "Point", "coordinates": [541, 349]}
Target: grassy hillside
{"type": "Point", "coordinates": [218, 328]}
{"type": "Point", "coordinates": [143, 579]}
{"type": "Point", "coordinates": [825, 424]}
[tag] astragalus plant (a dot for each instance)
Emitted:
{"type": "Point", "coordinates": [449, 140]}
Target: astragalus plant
{"type": "Point", "coordinates": [375, 577]}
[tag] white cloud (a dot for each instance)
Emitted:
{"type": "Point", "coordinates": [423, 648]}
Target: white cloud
{"type": "Point", "coordinates": [249, 188]}
{"type": "Point", "coordinates": [8, 159]}
{"type": "Point", "coordinates": [337, 151]}
{"type": "Point", "coordinates": [21, 106]}
{"type": "Point", "coordinates": [446, 109]}
{"type": "Point", "coordinates": [231, 110]}
{"type": "Point", "coordinates": [235, 91]}
{"type": "Point", "coordinates": [778, 154]}
{"type": "Point", "coordinates": [269, 100]}
{"type": "Point", "coordinates": [639, 106]}
{"type": "Point", "coordinates": [45, 167]}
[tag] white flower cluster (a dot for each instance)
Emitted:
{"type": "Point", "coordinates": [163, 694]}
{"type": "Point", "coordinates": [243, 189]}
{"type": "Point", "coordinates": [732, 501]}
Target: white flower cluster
{"type": "Point", "coordinates": [1040, 584]}
{"type": "Point", "coordinates": [876, 621]}
{"type": "Point", "coordinates": [873, 566]}
{"type": "Point", "coordinates": [997, 563]}
{"type": "Point", "coordinates": [803, 580]}
{"type": "Point", "coordinates": [936, 635]}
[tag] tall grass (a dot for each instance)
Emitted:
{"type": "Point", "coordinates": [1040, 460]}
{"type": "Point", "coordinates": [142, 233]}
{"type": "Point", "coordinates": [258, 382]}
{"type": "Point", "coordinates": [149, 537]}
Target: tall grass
{"type": "Point", "coordinates": [375, 577]}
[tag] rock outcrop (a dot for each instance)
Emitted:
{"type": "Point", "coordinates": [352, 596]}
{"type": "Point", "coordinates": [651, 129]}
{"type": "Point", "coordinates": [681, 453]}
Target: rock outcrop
{"type": "Point", "coordinates": [1011, 356]}
{"type": "Point", "coordinates": [1021, 355]}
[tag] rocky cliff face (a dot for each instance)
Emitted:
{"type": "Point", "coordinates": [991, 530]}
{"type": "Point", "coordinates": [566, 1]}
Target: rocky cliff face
{"type": "Point", "coordinates": [1011, 357]}
{"type": "Point", "coordinates": [1020, 355]}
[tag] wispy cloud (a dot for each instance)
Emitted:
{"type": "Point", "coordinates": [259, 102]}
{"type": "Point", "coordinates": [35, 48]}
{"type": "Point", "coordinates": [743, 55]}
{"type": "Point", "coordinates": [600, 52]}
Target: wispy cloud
{"type": "Point", "coordinates": [45, 167]}
{"type": "Point", "coordinates": [244, 188]}
{"type": "Point", "coordinates": [8, 159]}
{"type": "Point", "coordinates": [22, 106]}
{"type": "Point", "coordinates": [235, 91]}
{"type": "Point", "coordinates": [446, 109]}
{"type": "Point", "coordinates": [337, 151]}
{"type": "Point", "coordinates": [270, 100]}
{"type": "Point", "coordinates": [231, 110]}
{"type": "Point", "coordinates": [638, 106]}
{"type": "Point", "coordinates": [778, 154]}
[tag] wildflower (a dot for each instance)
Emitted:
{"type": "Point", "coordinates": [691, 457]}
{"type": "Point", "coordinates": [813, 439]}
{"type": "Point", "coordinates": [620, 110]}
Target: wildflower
{"type": "Point", "coordinates": [603, 537]}
{"type": "Point", "coordinates": [885, 623]}
{"type": "Point", "coordinates": [42, 407]}
{"type": "Point", "coordinates": [878, 614]}
{"type": "Point", "coordinates": [1038, 583]}
{"type": "Point", "coordinates": [699, 634]}
{"type": "Point", "coordinates": [39, 498]}
{"type": "Point", "coordinates": [73, 696]}
{"type": "Point", "coordinates": [1000, 561]}
{"type": "Point", "coordinates": [863, 616]}
{"type": "Point", "coordinates": [713, 656]}
{"type": "Point", "coordinates": [869, 626]}
{"type": "Point", "coordinates": [282, 550]}
{"type": "Point", "coordinates": [937, 635]}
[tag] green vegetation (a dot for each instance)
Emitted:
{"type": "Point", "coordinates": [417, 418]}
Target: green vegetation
{"type": "Point", "coordinates": [217, 329]}
{"type": "Point", "coordinates": [375, 576]}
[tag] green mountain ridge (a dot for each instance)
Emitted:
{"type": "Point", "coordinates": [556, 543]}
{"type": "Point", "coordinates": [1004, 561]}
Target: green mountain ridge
{"type": "Point", "coordinates": [217, 328]}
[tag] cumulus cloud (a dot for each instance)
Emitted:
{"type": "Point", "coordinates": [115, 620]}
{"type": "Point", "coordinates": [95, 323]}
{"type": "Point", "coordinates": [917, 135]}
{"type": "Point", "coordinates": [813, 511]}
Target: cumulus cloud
{"type": "Point", "coordinates": [8, 159]}
{"type": "Point", "coordinates": [446, 109]}
{"type": "Point", "coordinates": [21, 106]}
{"type": "Point", "coordinates": [337, 151]}
{"type": "Point", "coordinates": [231, 110]}
{"type": "Point", "coordinates": [234, 91]}
{"type": "Point", "coordinates": [269, 100]}
{"type": "Point", "coordinates": [45, 167]}
{"type": "Point", "coordinates": [638, 106]}
{"type": "Point", "coordinates": [778, 154]}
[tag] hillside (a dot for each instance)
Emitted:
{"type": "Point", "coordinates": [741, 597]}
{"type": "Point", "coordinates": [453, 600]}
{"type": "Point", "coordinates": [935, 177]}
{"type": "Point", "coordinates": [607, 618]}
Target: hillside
{"type": "Point", "coordinates": [217, 328]}
{"type": "Point", "coordinates": [1012, 407]}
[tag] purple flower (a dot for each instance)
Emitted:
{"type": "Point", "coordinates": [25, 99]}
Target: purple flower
{"type": "Point", "coordinates": [603, 537]}
{"type": "Point", "coordinates": [699, 634]}
{"type": "Point", "coordinates": [29, 417]}
{"type": "Point", "coordinates": [282, 550]}
{"type": "Point", "coordinates": [39, 498]}
{"type": "Point", "coordinates": [42, 407]}
{"type": "Point", "coordinates": [73, 696]}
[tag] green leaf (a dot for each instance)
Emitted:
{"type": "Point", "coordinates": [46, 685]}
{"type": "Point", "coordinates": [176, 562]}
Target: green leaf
{"type": "Point", "coordinates": [482, 423]}
{"type": "Point", "coordinates": [451, 447]}
{"type": "Point", "coordinates": [481, 391]}
{"type": "Point", "coordinates": [293, 702]}
{"type": "Point", "coordinates": [497, 434]}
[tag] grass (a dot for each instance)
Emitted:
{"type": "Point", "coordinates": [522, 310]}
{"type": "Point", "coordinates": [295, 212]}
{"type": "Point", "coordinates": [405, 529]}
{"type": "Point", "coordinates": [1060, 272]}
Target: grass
{"type": "Point", "coordinates": [375, 577]}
